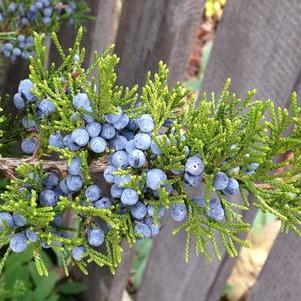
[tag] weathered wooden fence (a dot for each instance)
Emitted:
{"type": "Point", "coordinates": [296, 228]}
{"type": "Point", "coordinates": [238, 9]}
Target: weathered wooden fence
{"type": "Point", "coordinates": [258, 45]}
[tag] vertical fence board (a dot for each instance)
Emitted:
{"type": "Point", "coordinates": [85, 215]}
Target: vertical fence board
{"type": "Point", "coordinates": [255, 46]}
{"type": "Point", "coordinates": [168, 37]}
{"type": "Point", "coordinates": [255, 56]}
{"type": "Point", "coordinates": [167, 276]}
{"type": "Point", "coordinates": [102, 284]}
{"type": "Point", "coordinates": [150, 31]}
{"type": "Point", "coordinates": [224, 268]}
{"type": "Point", "coordinates": [280, 277]}
{"type": "Point", "coordinates": [100, 32]}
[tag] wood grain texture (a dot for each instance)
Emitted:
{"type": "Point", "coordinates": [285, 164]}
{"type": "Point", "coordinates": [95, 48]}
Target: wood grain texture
{"type": "Point", "coordinates": [223, 269]}
{"type": "Point", "coordinates": [280, 277]}
{"type": "Point", "coordinates": [166, 24]}
{"type": "Point", "coordinates": [168, 277]}
{"type": "Point", "coordinates": [100, 32]}
{"type": "Point", "coordinates": [150, 31]}
{"type": "Point", "coordinates": [255, 46]}
{"type": "Point", "coordinates": [102, 284]}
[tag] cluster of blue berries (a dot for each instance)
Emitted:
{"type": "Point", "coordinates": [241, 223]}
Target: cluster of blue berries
{"type": "Point", "coordinates": [92, 134]}
{"type": "Point", "coordinates": [24, 100]}
{"type": "Point", "coordinates": [194, 170]}
{"type": "Point", "coordinates": [20, 240]}
{"type": "Point", "coordinates": [93, 197]}
{"type": "Point", "coordinates": [22, 47]}
{"type": "Point", "coordinates": [134, 149]}
{"type": "Point", "coordinates": [54, 186]}
{"type": "Point", "coordinates": [29, 17]}
{"type": "Point", "coordinates": [73, 184]}
{"type": "Point", "coordinates": [24, 234]}
{"type": "Point", "coordinates": [44, 10]}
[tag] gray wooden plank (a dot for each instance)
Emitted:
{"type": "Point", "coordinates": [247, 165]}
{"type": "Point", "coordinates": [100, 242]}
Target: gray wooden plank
{"type": "Point", "coordinates": [151, 31]}
{"type": "Point", "coordinates": [223, 270]}
{"type": "Point", "coordinates": [280, 277]}
{"type": "Point", "coordinates": [100, 32]}
{"type": "Point", "coordinates": [255, 45]}
{"type": "Point", "coordinates": [102, 284]}
{"type": "Point", "coordinates": [167, 276]}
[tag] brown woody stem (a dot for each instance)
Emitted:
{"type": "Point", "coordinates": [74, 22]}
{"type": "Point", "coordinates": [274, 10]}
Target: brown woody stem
{"type": "Point", "coordinates": [8, 165]}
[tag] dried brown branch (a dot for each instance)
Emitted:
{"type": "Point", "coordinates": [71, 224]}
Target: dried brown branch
{"type": "Point", "coordinates": [8, 165]}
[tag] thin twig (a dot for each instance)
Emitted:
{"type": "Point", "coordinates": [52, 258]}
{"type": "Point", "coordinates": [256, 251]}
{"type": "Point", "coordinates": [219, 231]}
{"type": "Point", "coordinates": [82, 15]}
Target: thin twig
{"type": "Point", "coordinates": [8, 165]}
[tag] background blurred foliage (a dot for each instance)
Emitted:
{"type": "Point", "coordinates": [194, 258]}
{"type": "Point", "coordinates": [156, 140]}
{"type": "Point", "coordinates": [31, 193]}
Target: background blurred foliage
{"type": "Point", "coordinates": [214, 8]}
{"type": "Point", "coordinates": [142, 251]}
{"type": "Point", "coordinates": [21, 281]}
{"type": "Point", "coordinates": [196, 84]}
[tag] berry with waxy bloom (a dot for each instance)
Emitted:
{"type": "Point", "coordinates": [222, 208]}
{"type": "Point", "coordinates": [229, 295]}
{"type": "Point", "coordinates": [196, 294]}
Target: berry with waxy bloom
{"type": "Point", "coordinates": [155, 178]}
{"type": "Point", "coordinates": [95, 237]}
{"type": "Point", "coordinates": [194, 165]}
{"type": "Point", "coordinates": [129, 196]}
{"type": "Point", "coordinates": [221, 181]}
{"type": "Point", "coordinates": [18, 242]}
{"type": "Point", "coordinates": [77, 253]}
{"type": "Point", "coordinates": [178, 212]}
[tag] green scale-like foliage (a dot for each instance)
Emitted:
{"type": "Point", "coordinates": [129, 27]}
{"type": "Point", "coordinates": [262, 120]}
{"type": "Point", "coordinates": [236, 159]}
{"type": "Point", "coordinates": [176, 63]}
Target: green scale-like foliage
{"type": "Point", "coordinates": [42, 220]}
{"type": "Point", "coordinates": [103, 92]}
{"type": "Point", "coordinates": [227, 133]}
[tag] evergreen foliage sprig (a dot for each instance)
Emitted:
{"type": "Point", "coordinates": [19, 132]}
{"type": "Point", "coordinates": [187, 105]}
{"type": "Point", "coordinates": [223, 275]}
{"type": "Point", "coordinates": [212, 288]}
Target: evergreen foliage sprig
{"type": "Point", "coordinates": [205, 164]}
